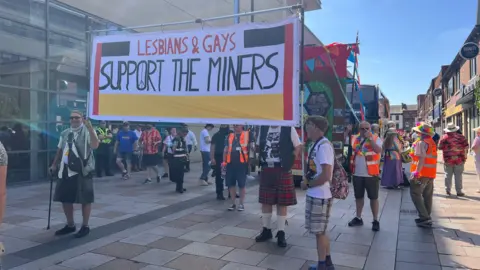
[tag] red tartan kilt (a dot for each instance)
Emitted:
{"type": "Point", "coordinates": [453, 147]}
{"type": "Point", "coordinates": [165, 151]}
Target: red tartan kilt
{"type": "Point", "coordinates": [276, 187]}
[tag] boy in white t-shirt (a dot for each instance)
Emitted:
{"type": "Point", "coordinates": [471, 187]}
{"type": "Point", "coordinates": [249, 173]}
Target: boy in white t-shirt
{"type": "Point", "coordinates": [317, 179]}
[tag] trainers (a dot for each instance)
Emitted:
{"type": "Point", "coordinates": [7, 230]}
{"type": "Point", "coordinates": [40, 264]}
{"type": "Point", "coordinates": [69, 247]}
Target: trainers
{"type": "Point", "coordinates": [158, 179]}
{"type": "Point", "coordinates": [209, 182]}
{"type": "Point", "coordinates": [66, 230]}
{"type": "Point", "coordinates": [423, 222]}
{"type": "Point", "coordinates": [448, 192]}
{"type": "Point", "coordinates": [281, 241]}
{"type": "Point", "coordinates": [220, 198]}
{"type": "Point", "coordinates": [460, 194]}
{"type": "Point", "coordinates": [241, 207]}
{"type": "Point", "coordinates": [232, 207]}
{"type": "Point", "coordinates": [147, 181]}
{"type": "Point", "coordinates": [203, 183]}
{"type": "Point", "coordinates": [375, 226]}
{"type": "Point", "coordinates": [265, 235]}
{"type": "Point", "coordinates": [355, 222]}
{"type": "Point", "coordinates": [84, 231]}
{"type": "Point", "coordinates": [165, 175]}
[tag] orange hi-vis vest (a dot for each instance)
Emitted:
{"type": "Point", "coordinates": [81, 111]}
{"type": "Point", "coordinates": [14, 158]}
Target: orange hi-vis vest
{"type": "Point", "coordinates": [371, 157]}
{"type": "Point", "coordinates": [429, 169]}
{"type": "Point", "coordinates": [243, 145]}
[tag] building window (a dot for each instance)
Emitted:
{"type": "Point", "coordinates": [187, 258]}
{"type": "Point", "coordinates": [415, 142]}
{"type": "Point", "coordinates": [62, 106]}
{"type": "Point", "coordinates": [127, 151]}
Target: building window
{"type": "Point", "coordinates": [457, 81]}
{"type": "Point", "coordinates": [450, 87]}
{"type": "Point", "coordinates": [473, 67]}
{"type": "Point", "coordinates": [397, 117]}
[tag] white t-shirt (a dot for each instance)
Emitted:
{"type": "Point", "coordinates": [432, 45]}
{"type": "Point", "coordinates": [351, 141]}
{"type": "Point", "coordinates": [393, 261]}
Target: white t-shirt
{"type": "Point", "coordinates": [190, 138]}
{"type": "Point", "coordinates": [272, 146]}
{"type": "Point", "coordinates": [168, 141]}
{"type": "Point", "coordinates": [204, 147]}
{"type": "Point", "coordinates": [361, 163]}
{"type": "Point", "coordinates": [322, 154]}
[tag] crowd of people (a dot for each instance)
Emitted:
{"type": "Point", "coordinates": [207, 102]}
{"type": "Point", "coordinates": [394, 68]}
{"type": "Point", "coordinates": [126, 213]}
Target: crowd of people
{"type": "Point", "coordinates": [231, 153]}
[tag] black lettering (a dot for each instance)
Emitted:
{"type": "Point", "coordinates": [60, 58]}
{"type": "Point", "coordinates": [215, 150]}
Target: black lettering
{"type": "Point", "coordinates": [151, 70]}
{"type": "Point", "coordinates": [178, 69]}
{"type": "Point", "coordinates": [191, 73]}
{"type": "Point", "coordinates": [122, 70]}
{"type": "Point", "coordinates": [240, 72]}
{"type": "Point", "coordinates": [255, 68]}
{"type": "Point", "coordinates": [159, 63]}
{"type": "Point", "coordinates": [274, 68]}
{"type": "Point", "coordinates": [132, 68]}
{"type": "Point", "coordinates": [106, 75]}
{"type": "Point", "coordinates": [211, 65]}
{"type": "Point", "coordinates": [232, 73]}
{"type": "Point", "coordinates": [224, 75]}
{"type": "Point", "coordinates": [142, 67]}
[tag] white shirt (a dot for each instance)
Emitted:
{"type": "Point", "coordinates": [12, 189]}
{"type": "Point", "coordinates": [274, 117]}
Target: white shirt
{"type": "Point", "coordinates": [322, 154]}
{"type": "Point", "coordinates": [190, 138]}
{"type": "Point", "coordinates": [169, 141]}
{"type": "Point", "coordinates": [361, 163]}
{"type": "Point", "coordinates": [272, 146]}
{"type": "Point", "coordinates": [204, 147]}
{"type": "Point", "coordinates": [138, 132]}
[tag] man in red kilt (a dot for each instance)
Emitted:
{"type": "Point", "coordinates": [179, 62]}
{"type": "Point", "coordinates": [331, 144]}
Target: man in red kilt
{"type": "Point", "coordinates": [278, 147]}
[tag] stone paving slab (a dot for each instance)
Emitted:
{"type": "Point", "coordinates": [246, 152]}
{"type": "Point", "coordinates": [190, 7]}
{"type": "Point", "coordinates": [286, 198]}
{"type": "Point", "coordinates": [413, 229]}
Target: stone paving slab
{"type": "Point", "coordinates": [206, 236]}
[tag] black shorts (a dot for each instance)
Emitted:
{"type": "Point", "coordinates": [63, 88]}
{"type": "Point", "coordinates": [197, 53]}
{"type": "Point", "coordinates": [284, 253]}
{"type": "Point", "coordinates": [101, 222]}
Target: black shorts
{"type": "Point", "coordinates": [370, 184]}
{"type": "Point", "coordinates": [150, 160]}
{"type": "Point", "coordinates": [125, 156]}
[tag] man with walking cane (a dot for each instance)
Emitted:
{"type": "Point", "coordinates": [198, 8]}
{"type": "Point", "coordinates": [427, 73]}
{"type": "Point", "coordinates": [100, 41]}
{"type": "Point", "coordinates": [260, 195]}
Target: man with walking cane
{"type": "Point", "coordinates": [75, 183]}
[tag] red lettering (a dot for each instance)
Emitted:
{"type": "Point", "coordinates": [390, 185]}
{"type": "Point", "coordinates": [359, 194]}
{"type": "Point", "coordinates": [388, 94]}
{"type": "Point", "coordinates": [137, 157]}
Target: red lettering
{"type": "Point", "coordinates": [185, 46]}
{"type": "Point", "coordinates": [216, 44]}
{"type": "Point", "coordinates": [161, 45]}
{"type": "Point", "coordinates": [138, 49]}
{"type": "Point", "coordinates": [147, 46]}
{"type": "Point", "coordinates": [155, 46]}
{"type": "Point", "coordinates": [207, 48]}
{"type": "Point", "coordinates": [170, 49]}
{"type": "Point", "coordinates": [232, 42]}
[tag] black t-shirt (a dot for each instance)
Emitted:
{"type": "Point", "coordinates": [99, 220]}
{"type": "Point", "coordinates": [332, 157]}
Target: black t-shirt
{"type": "Point", "coordinates": [236, 149]}
{"type": "Point", "coordinates": [218, 140]}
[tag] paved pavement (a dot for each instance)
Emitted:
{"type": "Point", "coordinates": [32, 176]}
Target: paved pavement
{"type": "Point", "coordinates": [150, 227]}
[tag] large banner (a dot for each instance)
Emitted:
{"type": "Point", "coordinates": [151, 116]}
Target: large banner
{"type": "Point", "coordinates": [241, 74]}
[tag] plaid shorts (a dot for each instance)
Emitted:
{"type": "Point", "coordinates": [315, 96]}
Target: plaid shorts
{"type": "Point", "coordinates": [317, 212]}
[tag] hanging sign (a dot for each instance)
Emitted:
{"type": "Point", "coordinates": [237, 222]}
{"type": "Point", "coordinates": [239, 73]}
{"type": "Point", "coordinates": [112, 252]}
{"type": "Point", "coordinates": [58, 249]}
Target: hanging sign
{"type": "Point", "coordinates": [469, 50]}
{"type": "Point", "coordinates": [437, 92]}
{"type": "Point", "coordinates": [244, 73]}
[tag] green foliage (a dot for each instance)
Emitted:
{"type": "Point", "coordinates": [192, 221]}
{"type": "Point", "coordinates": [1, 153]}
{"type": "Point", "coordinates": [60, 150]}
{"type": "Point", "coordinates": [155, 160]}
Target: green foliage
{"type": "Point", "coordinates": [476, 91]}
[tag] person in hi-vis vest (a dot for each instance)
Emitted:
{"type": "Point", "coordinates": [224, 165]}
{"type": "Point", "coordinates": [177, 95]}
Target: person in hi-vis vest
{"type": "Point", "coordinates": [365, 168]}
{"type": "Point", "coordinates": [235, 159]}
{"type": "Point", "coordinates": [423, 171]}
{"type": "Point", "coordinates": [102, 154]}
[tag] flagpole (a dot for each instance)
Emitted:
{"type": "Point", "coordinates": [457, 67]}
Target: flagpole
{"type": "Point", "coordinates": [354, 73]}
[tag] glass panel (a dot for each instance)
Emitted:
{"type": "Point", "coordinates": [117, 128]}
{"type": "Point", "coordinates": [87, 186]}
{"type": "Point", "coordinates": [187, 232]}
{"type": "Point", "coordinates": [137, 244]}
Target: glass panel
{"type": "Point", "coordinates": [29, 11]}
{"type": "Point", "coordinates": [67, 21]}
{"type": "Point", "coordinates": [62, 103]}
{"type": "Point", "coordinates": [67, 50]}
{"type": "Point", "coordinates": [18, 167]}
{"type": "Point", "coordinates": [22, 39]}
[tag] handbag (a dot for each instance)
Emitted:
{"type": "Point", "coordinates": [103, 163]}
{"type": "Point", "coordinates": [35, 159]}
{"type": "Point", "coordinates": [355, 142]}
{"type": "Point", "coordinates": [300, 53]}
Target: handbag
{"type": "Point", "coordinates": [406, 158]}
{"type": "Point", "coordinates": [75, 163]}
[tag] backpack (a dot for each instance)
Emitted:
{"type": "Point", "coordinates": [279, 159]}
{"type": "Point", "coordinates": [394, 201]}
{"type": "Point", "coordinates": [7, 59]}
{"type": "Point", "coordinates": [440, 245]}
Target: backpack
{"type": "Point", "coordinates": [339, 184]}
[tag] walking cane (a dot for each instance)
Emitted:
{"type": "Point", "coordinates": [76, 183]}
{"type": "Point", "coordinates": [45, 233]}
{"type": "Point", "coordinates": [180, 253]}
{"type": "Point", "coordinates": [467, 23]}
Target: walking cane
{"type": "Point", "coordinates": [50, 200]}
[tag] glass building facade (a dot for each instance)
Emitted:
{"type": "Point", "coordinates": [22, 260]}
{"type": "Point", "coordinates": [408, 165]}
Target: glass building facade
{"type": "Point", "coordinates": [44, 58]}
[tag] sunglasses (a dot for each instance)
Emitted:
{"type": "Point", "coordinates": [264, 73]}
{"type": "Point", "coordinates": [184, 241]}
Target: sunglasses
{"type": "Point", "coordinates": [365, 129]}
{"type": "Point", "coordinates": [75, 117]}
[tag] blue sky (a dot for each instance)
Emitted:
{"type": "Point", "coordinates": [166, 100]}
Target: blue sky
{"type": "Point", "coordinates": [403, 43]}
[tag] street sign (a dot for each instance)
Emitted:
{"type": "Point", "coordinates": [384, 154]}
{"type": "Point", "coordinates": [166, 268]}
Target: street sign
{"type": "Point", "coordinates": [469, 50]}
{"type": "Point", "coordinates": [437, 92]}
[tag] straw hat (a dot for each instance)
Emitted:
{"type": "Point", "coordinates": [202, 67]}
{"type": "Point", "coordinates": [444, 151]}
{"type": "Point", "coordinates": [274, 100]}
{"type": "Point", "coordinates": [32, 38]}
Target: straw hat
{"type": "Point", "coordinates": [451, 128]}
{"type": "Point", "coordinates": [424, 128]}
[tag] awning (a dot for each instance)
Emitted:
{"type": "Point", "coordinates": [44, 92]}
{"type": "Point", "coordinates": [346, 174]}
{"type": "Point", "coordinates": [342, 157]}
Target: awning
{"type": "Point", "coordinates": [467, 99]}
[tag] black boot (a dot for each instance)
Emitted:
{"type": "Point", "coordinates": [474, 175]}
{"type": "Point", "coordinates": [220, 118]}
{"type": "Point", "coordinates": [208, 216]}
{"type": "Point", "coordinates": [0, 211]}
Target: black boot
{"type": "Point", "coordinates": [265, 235]}
{"type": "Point", "coordinates": [281, 241]}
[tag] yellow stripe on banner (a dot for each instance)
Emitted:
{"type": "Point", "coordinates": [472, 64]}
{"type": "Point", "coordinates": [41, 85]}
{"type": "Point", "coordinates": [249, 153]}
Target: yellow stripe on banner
{"type": "Point", "coordinates": [236, 107]}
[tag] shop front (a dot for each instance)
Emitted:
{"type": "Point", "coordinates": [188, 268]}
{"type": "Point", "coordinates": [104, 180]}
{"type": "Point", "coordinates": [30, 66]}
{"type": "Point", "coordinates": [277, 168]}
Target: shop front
{"type": "Point", "coordinates": [453, 113]}
{"type": "Point", "coordinates": [437, 117]}
{"type": "Point", "coordinates": [469, 110]}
